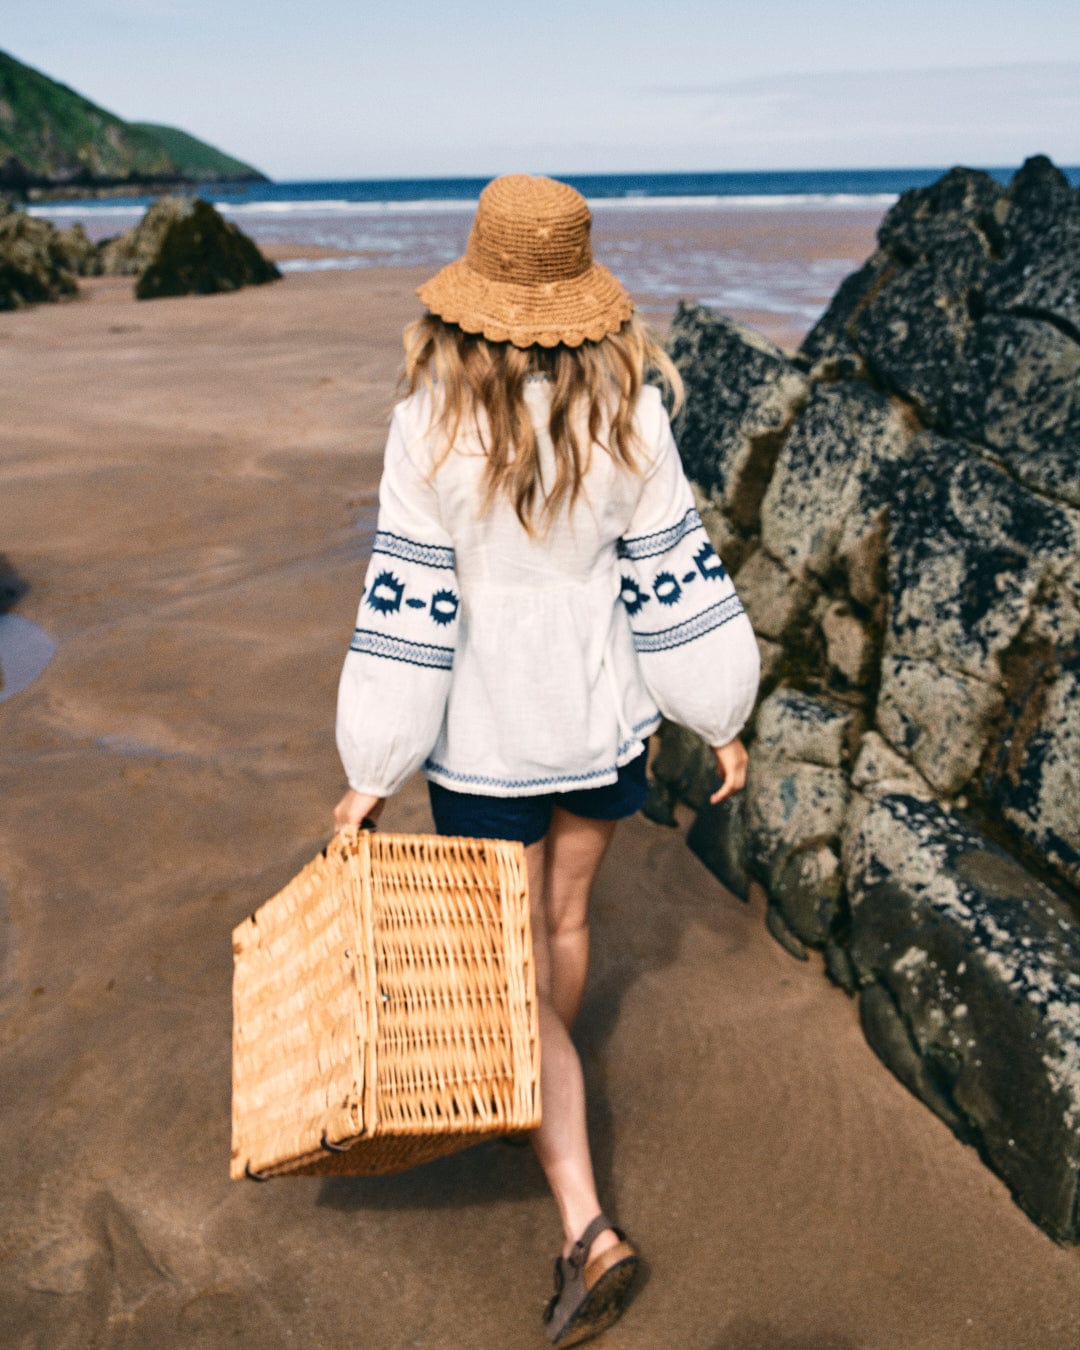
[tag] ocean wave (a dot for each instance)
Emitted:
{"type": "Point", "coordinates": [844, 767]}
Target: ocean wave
{"type": "Point", "coordinates": [764, 199]}
{"type": "Point", "coordinates": [342, 206]}
{"type": "Point", "coordinates": [631, 202]}
{"type": "Point", "coordinates": [80, 210]}
{"type": "Point", "coordinates": [350, 263]}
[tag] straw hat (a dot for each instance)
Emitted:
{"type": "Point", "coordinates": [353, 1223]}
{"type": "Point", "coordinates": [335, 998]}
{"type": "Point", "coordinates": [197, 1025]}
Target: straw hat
{"type": "Point", "coordinates": [527, 276]}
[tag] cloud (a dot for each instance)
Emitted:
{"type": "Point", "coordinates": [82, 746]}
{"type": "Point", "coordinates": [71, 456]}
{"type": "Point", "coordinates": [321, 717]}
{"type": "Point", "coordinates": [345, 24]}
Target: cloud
{"type": "Point", "coordinates": [986, 114]}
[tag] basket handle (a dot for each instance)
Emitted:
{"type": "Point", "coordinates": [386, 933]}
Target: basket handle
{"type": "Point", "coordinates": [367, 825]}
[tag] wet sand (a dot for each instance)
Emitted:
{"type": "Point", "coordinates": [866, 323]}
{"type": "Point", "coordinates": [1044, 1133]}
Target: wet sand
{"type": "Point", "coordinates": [181, 484]}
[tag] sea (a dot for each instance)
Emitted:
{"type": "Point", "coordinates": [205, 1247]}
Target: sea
{"type": "Point", "coordinates": [656, 231]}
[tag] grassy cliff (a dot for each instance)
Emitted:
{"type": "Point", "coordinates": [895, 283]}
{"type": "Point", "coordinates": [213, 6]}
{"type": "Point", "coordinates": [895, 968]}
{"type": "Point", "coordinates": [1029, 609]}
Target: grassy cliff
{"type": "Point", "coordinates": [195, 158]}
{"type": "Point", "coordinates": [50, 136]}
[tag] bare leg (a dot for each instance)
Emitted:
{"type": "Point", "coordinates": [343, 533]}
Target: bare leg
{"type": "Point", "coordinates": [575, 847]}
{"type": "Point", "coordinates": [562, 1143]}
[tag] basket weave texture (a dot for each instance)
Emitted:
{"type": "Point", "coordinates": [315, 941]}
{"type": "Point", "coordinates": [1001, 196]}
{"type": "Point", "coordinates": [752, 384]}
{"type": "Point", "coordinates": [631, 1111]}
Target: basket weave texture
{"type": "Point", "coordinates": [384, 1008]}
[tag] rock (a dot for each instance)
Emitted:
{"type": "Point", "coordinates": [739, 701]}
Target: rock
{"type": "Point", "coordinates": [907, 312]}
{"type": "Point", "coordinates": [941, 719]}
{"type": "Point", "coordinates": [131, 253]}
{"type": "Point", "coordinates": [839, 967]}
{"type": "Point", "coordinates": [879, 769]}
{"type": "Point", "coordinates": [774, 599]}
{"type": "Point", "coordinates": [772, 661]}
{"type": "Point", "coordinates": [1018, 393]}
{"type": "Point", "coordinates": [790, 806]}
{"type": "Point", "coordinates": [849, 644]}
{"type": "Point", "coordinates": [81, 254]}
{"type": "Point", "coordinates": [969, 551]}
{"type": "Point", "coordinates": [742, 393]}
{"type": "Point", "coordinates": [958, 215]}
{"type": "Point", "coordinates": [34, 265]}
{"type": "Point", "coordinates": [808, 891]}
{"type": "Point", "coordinates": [953, 256]}
{"type": "Point", "coordinates": [912, 332]}
{"type": "Point", "coordinates": [1039, 270]}
{"type": "Point", "coordinates": [796, 798]}
{"type": "Point", "coordinates": [912, 569]}
{"type": "Point", "coordinates": [827, 473]}
{"type": "Point", "coordinates": [682, 770]}
{"type": "Point", "coordinates": [719, 838]}
{"type": "Point", "coordinates": [200, 254]}
{"type": "Point", "coordinates": [981, 963]}
{"type": "Point", "coordinates": [888, 1036]}
{"type": "Point", "coordinates": [182, 246]}
{"type": "Point", "coordinates": [828, 350]}
{"type": "Point", "coordinates": [791, 724]}
{"type": "Point", "coordinates": [775, 923]}
{"type": "Point", "coordinates": [1032, 767]}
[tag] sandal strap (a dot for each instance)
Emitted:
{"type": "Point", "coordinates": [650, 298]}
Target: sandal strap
{"type": "Point", "coordinates": [580, 1253]}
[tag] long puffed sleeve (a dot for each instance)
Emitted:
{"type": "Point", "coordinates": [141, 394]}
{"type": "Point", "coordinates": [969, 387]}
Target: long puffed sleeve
{"type": "Point", "coordinates": [396, 678]}
{"type": "Point", "coordinates": [696, 649]}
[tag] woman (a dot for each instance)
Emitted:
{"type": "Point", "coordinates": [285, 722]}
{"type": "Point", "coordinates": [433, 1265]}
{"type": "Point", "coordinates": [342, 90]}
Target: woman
{"type": "Point", "coordinates": [540, 593]}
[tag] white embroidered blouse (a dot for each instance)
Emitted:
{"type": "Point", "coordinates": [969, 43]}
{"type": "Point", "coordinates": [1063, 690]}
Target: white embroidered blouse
{"type": "Point", "coordinates": [506, 665]}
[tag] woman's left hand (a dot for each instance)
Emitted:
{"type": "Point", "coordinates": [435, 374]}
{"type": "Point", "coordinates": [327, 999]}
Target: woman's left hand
{"type": "Point", "coordinates": [731, 762]}
{"type": "Point", "coordinates": [354, 808]}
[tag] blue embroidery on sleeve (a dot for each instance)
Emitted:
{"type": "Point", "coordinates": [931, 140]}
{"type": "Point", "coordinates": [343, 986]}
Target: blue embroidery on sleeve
{"type": "Point", "coordinates": [666, 589]}
{"type": "Point", "coordinates": [690, 629]}
{"type": "Point", "coordinates": [399, 649]}
{"type": "Point", "coordinates": [385, 594]}
{"type": "Point", "coordinates": [708, 564]}
{"type": "Point", "coordinates": [416, 604]}
{"type": "Point", "coordinates": [412, 550]}
{"type": "Point", "coordinates": [632, 596]}
{"type": "Point", "coordinates": [444, 607]}
{"type": "Point", "coordinates": [663, 541]}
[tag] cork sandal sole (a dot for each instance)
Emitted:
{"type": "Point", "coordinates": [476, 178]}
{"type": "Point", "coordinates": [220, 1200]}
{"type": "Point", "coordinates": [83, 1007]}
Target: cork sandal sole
{"type": "Point", "coordinates": [607, 1281]}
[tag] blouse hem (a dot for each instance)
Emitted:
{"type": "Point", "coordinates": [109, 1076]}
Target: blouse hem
{"type": "Point", "coordinates": [488, 785]}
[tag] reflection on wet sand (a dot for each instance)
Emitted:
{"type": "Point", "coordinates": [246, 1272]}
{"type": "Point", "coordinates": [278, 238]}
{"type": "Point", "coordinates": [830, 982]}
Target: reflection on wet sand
{"type": "Point", "coordinates": [25, 651]}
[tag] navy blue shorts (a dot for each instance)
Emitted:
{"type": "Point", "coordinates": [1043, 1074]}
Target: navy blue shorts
{"type": "Point", "coordinates": [529, 818]}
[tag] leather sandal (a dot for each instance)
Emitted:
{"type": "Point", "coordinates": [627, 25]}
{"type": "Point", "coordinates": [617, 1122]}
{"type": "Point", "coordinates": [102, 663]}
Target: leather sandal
{"type": "Point", "coordinates": [590, 1295]}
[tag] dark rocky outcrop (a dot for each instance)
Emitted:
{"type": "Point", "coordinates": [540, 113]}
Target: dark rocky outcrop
{"type": "Point", "coordinates": [36, 261]}
{"type": "Point", "coordinates": [970, 971]}
{"type": "Point", "coordinates": [901, 502]}
{"type": "Point", "coordinates": [182, 246]}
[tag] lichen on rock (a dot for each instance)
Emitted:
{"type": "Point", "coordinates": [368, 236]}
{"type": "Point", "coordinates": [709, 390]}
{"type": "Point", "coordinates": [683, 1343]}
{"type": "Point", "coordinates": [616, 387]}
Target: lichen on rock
{"type": "Point", "coordinates": [900, 507]}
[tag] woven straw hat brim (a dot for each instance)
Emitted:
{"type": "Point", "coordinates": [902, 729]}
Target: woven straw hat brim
{"type": "Point", "coordinates": [583, 308]}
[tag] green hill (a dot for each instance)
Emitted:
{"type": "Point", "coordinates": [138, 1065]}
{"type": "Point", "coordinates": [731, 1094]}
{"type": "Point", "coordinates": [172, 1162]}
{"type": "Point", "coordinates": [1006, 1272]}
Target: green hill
{"type": "Point", "coordinates": [52, 136]}
{"type": "Point", "coordinates": [196, 158]}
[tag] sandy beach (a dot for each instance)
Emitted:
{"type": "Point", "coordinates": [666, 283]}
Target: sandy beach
{"type": "Point", "coordinates": [188, 491]}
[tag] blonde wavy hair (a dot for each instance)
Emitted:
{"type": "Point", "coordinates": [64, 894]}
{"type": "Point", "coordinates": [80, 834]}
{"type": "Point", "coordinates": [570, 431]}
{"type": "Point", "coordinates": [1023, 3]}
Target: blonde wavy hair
{"type": "Point", "coordinates": [594, 387]}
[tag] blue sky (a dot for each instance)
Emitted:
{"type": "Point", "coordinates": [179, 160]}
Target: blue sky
{"type": "Point", "coordinates": [362, 89]}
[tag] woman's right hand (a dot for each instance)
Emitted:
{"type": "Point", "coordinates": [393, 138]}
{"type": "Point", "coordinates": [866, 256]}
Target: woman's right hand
{"type": "Point", "coordinates": [731, 762]}
{"type": "Point", "coordinates": [354, 808]}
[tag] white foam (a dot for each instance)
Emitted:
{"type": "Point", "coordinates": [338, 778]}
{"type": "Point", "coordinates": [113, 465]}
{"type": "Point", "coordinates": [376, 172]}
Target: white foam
{"type": "Point", "coordinates": [346, 264]}
{"type": "Point", "coordinates": [754, 201]}
{"type": "Point", "coordinates": [336, 206]}
{"type": "Point", "coordinates": [103, 208]}
{"type": "Point", "coordinates": [341, 206]}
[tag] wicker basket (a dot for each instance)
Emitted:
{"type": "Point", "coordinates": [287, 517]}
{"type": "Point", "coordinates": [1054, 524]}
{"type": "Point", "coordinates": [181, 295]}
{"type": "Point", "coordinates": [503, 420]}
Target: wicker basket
{"type": "Point", "coordinates": [384, 1008]}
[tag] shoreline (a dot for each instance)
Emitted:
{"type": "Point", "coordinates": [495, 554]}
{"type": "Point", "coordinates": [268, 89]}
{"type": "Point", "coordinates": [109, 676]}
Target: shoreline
{"type": "Point", "coordinates": [772, 269]}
